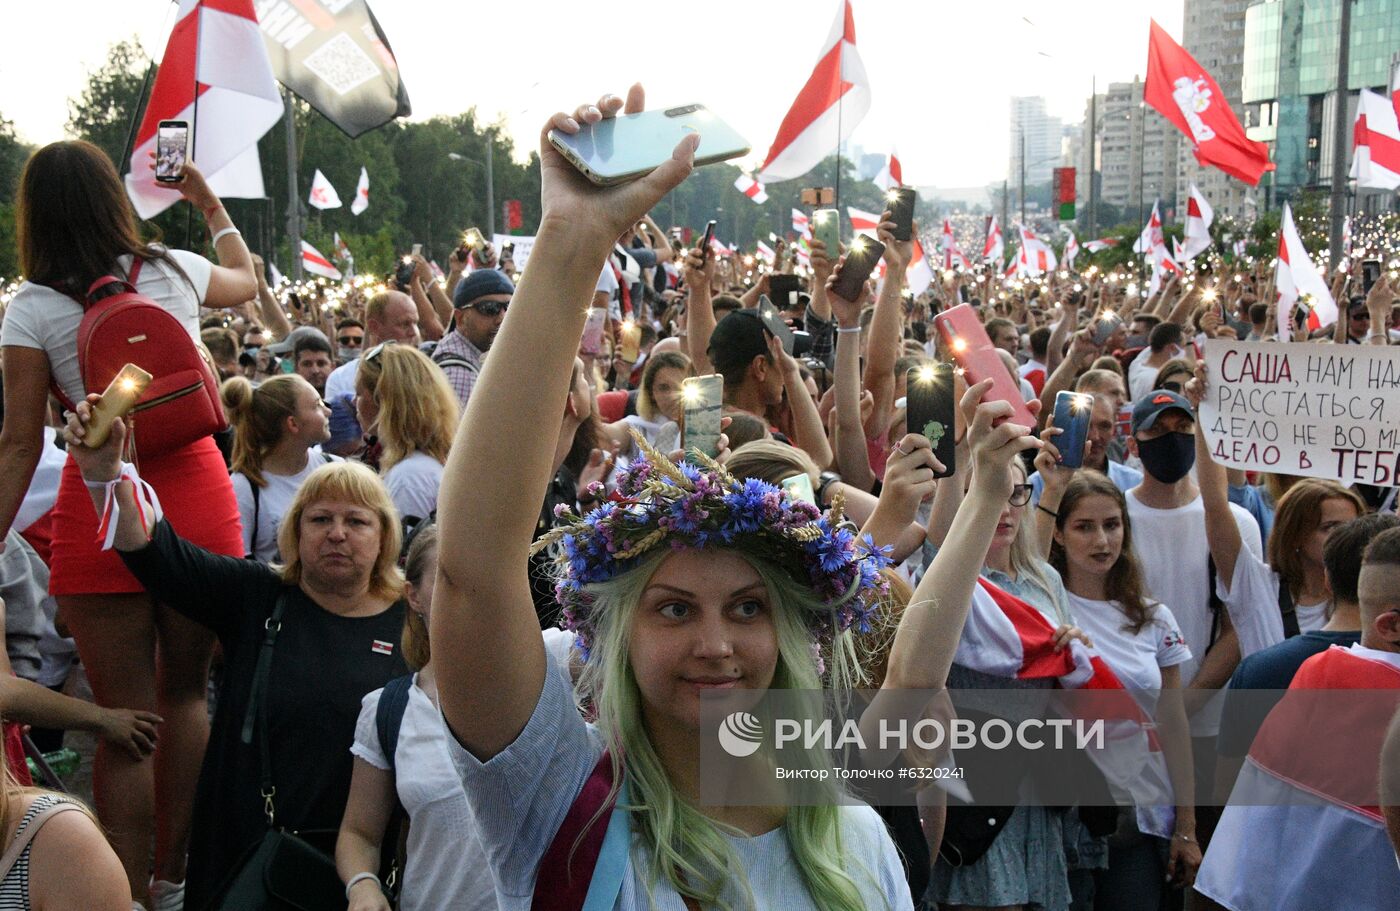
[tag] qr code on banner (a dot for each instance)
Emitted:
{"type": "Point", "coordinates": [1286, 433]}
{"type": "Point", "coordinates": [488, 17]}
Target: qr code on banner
{"type": "Point", "coordinates": [341, 64]}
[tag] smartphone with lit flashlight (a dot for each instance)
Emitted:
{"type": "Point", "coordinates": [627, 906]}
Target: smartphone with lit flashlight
{"type": "Point", "coordinates": [826, 227]}
{"type": "Point", "coordinates": [172, 145]}
{"type": "Point", "coordinates": [1104, 327]}
{"type": "Point", "coordinates": [860, 261]}
{"type": "Point", "coordinates": [120, 396]}
{"type": "Point", "coordinates": [964, 335]}
{"type": "Point", "coordinates": [631, 341]}
{"type": "Point", "coordinates": [901, 208]}
{"type": "Point", "coordinates": [929, 410]}
{"type": "Point", "coordinates": [592, 341]}
{"type": "Point", "coordinates": [702, 401]}
{"type": "Point", "coordinates": [1072, 411]}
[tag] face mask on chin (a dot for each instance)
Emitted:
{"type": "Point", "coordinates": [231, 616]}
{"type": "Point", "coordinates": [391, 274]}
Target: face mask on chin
{"type": "Point", "coordinates": [1169, 457]}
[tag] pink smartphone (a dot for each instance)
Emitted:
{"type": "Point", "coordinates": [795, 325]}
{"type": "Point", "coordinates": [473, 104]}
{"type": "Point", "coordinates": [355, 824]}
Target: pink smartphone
{"type": "Point", "coordinates": [966, 338]}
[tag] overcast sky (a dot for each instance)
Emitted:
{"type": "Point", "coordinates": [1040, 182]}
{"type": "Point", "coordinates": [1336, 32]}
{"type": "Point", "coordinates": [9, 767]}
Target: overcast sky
{"type": "Point", "coordinates": [941, 72]}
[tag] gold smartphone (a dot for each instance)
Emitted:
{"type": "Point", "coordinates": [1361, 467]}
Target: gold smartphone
{"type": "Point", "coordinates": [117, 400]}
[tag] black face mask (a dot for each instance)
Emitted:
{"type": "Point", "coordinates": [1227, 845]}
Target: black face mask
{"type": "Point", "coordinates": [1169, 457]}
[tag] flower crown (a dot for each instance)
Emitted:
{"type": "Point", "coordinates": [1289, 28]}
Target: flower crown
{"type": "Point", "coordinates": [658, 502]}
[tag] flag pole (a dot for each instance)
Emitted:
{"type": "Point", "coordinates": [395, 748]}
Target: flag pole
{"type": "Point", "coordinates": [293, 198]}
{"type": "Point", "coordinates": [194, 126]}
{"type": "Point", "coordinates": [836, 196]}
{"type": "Point", "coordinates": [1340, 124]}
{"type": "Point", "coordinates": [124, 166]}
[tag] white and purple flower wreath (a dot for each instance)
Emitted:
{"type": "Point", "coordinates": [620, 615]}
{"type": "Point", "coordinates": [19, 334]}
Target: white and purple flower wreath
{"type": "Point", "coordinates": [658, 503]}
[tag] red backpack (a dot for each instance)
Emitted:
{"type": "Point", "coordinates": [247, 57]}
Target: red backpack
{"type": "Point", "coordinates": [122, 326]}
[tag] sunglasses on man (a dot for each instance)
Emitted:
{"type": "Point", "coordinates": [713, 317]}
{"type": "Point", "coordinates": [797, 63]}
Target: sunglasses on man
{"type": "Point", "coordinates": [351, 341]}
{"type": "Point", "coordinates": [488, 308]}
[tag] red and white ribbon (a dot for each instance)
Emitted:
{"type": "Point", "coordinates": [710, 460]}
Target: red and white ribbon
{"type": "Point", "coordinates": [147, 504]}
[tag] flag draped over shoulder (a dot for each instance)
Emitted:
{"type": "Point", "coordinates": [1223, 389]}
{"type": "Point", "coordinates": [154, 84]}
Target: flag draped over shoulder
{"type": "Point", "coordinates": [834, 100]}
{"type": "Point", "coordinates": [1303, 828]}
{"type": "Point", "coordinates": [216, 51]}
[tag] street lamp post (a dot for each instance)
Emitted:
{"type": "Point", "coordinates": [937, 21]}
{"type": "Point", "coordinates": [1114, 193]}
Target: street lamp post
{"type": "Point", "coordinates": [490, 186]}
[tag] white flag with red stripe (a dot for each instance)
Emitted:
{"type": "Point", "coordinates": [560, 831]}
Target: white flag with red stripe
{"type": "Point", "coordinates": [953, 257]}
{"type": "Point", "coordinates": [801, 223]}
{"type": "Point", "coordinates": [216, 45]}
{"type": "Point", "coordinates": [892, 174]}
{"type": "Point", "coordinates": [1152, 236]}
{"type": "Point", "coordinates": [1199, 216]}
{"type": "Point", "coordinates": [751, 188]}
{"type": "Point", "coordinates": [919, 275]}
{"type": "Point", "coordinates": [1036, 257]}
{"type": "Point", "coordinates": [720, 248]}
{"type": "Point", "coordinates": [323, 194]}
{"type": "Point", "coordinates": [1303, 828]}
{"type": "Point", "coordinates": [1103, 243]}
{"type": "Point", "coordinates": [863, 222]}
{"type": "Point", "coordinates": [1296, 277]}
{"type": "Point", "coordinates": [342, 250]}
{"type": "Point", "coordinates": [995, 247]}
{"type": "Point", "coordinates": [1375, 162]}
{"type": "Point", "coordinates": [828, 108]}
{"type": "Point", "coordinates": [361, 193]}
{"type": "Point", "coordinates": [766, 253]}
{"type": "Point", "coordinates": [312, 261]}
{"type": "Point", "coordinates": [1004, 636]}
{"type": "Point", "coordinates": [1071, 249]}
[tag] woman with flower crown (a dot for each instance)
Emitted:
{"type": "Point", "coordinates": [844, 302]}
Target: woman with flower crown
{"type": "Point", "coordinates": [686, 581]}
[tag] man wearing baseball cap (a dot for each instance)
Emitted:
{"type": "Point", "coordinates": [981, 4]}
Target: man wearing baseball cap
{"type": "Point", "coordinates": [1169, 534]}
{"type": "Point", "coordinates": [479, 307]}
{"type": "Point", "coordinates": [739, 352]}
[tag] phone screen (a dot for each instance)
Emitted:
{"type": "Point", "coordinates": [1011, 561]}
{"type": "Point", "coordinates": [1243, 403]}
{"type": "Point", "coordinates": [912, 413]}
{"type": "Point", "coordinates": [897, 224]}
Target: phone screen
{"type": "Point", "coordinates": [172, 141]}
{"type": "Point", "coordinates": [705, 242]}
{"type": "Point", "coordinates": [1072, 412]}
{"type": "Point", "coordinates": [1370, 274]}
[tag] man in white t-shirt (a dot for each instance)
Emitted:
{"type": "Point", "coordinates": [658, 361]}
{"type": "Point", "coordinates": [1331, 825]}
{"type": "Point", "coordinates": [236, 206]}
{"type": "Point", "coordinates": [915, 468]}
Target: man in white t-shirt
{"type": "Point", "coordinates": [1169, 535]}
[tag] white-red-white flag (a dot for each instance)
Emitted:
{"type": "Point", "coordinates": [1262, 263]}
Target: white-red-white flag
{"type": "Point", "coordinates": [892, 174]}
{"type": "Point", "coordinates": [953, 257]}
{"type": "Point", "coordinates": [919, 275]}
{"type": "Point", "coordinates": [828, 108]}
{"type": "Point", "coordinates": [766, 253]}
{"type": "Point", "coordinates": [342, 250]}
{"type": "Point", "coordinates": [1071, 249]}
{"type": "Point", "coordinates": [218, 46]}
{"type": "Point", "coordinates": [323, 195]}
{"type": "Point", "coordinates": [995, 247]}
{"type": "Point", "coordinates": [1293, 813]}
{"type": "Point", "coordinates": [1199, 216]}
{"type": "Point", "coordinates": [801, 223]}
{"type": "Point", "coordinates": [1375, 162]}
{"type": "Point", "coordinates": [751, 188]}
{"type": "Point", "coordinates": [863, 222]}
{"type": "Point", "coordinates": [1295, 276]}
{"type": "Point", "coordinates": [1036, 257]}
{"type": "Point", "coordinates": [312, 261]}
{"type": "Point", "coordinates": [1103, 243]}
{"type": "Point", "coordinates": [719, 247]}
{"type": "Point", "coordinates": [361, 193]}
{"type": "Point", "coordinates": [1152, 235]}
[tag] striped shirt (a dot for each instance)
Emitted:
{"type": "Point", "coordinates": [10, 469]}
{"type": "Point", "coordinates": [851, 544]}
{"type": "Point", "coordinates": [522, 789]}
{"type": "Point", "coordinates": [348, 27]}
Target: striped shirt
{"type": "Point", "coordinates": [450, 354]}
{"type": "Point", "coordinates": [14, 888]}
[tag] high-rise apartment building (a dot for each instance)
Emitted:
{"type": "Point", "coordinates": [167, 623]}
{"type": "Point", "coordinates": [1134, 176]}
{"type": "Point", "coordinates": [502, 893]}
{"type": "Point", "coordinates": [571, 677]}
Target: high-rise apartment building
{"type": "Point", "coordinates": [1214, 34]}
{"type": "Point", "coordinates": [1136, 152]}
{"type": "Point", "coordinates": [1039, 135]}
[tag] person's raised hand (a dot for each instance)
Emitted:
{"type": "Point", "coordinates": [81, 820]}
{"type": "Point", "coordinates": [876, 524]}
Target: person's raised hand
{"type": "Point", "coordinates": [601, 214]}
{"type": "Point", "coordinates": [259, 270]}
{"type": "Point", "coordinates": [597, 471]}
{"type": "Point", "coordinates": [1379, 301]}
{"type": "Point", "coordinates": [898, 253]}
{"type": "Point", "coordinates": [791, 370]}
{"type": "Point", "coordinates": [458, 259]}
{"type": "Point", "coordinates": [994, 439]}
{"type": "Point", "coordinates": [1197, 386]}
{"type": "Point", "coordinates": [485, 258]}
{"type": "Point", "coordinates": [699, 267]}
{"type": "Point", "coordinates": [1054, 475]}
{"type": "Point", "coordinates": [847, 312]}
{"type": "Point", "coordinates": [132, 731]}
{"type": "Point", "coordinates": [192, 186]}
{"type": "Point", "coordinates": [821, 262]}
{"type": "Point", "coordinates": [100, 464]}
{"type": "Point", "coordinates": [909, 476]}
{"type": "Point", "coordinates": [1082, 348]}
{"type": "Point", "coordinates": [421, 270]}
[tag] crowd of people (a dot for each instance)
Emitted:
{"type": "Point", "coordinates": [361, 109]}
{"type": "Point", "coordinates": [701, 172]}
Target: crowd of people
{"type": "Point", "coordinates": [307, 626]}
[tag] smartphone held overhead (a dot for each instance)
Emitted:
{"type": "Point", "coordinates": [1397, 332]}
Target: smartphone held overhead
{"type": "Point", "coordinates": [1072, 412]}
{"type": "Point", "coordinates": [900, 203]}
{"type": "Point", "coordinates": [172, 148]}
{"type": "Point", "coordinates": [622, 148]}
{"type": "Point", "coordinates": [860, 261]}
{"type": "Point", "coordinates": [967, 340]}
{"type": "Point", "coordinates": [929, 411]}
{"type": "Point", "coordinates": [702, 402]}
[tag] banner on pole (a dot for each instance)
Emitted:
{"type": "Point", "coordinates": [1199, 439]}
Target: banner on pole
{"type": "Point", "coordinates": [1323, 411]}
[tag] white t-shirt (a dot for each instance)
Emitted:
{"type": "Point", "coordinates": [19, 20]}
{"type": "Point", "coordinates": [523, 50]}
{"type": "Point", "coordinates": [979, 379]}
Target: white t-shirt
{"type": "Point", "coordinates": [1137, 658]}
{"type": "Point", "coordinates": [446, 866]}
{"type": "Point", "coordinates": [40, 317]}
{"type": "Point", "coordinates": [1141, 374]}
{"type": "Point", "coordinates": [413, 485]}
{"type": "Point", "coordinates": [273, 500]}
{"type": "Point", "coordinates": [1171, 544]}
{"type": "Point", "coordinates": [341, 382]}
